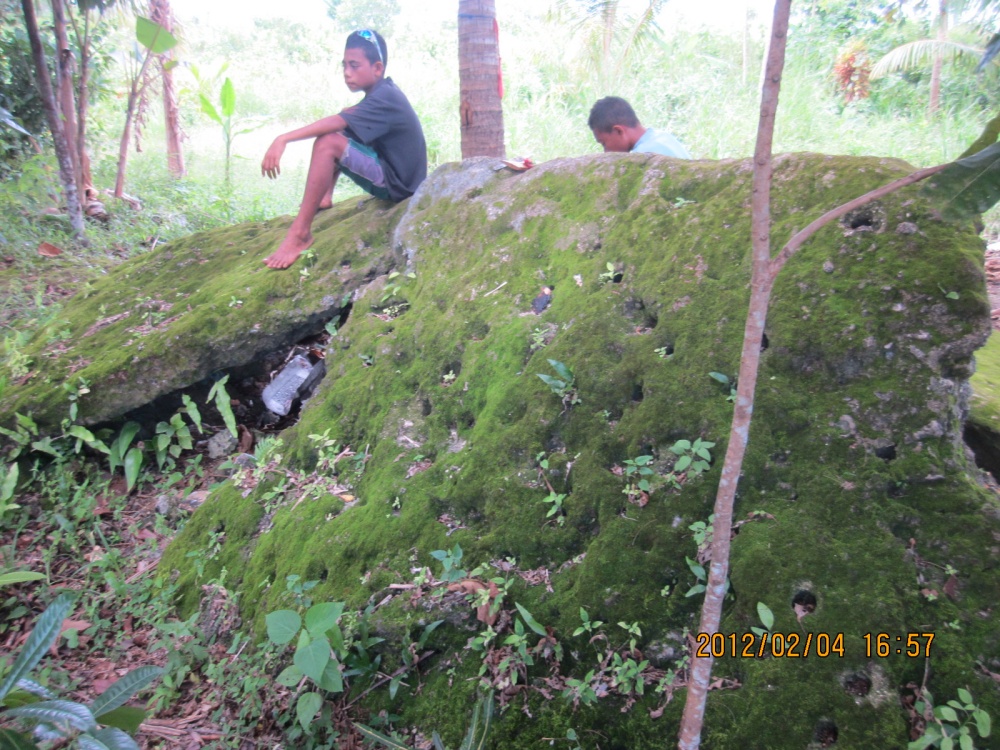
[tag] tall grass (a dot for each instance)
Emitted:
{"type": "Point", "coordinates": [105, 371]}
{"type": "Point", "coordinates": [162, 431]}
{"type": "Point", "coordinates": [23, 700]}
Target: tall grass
{"type": "Point", "coordinates": [691, 82]}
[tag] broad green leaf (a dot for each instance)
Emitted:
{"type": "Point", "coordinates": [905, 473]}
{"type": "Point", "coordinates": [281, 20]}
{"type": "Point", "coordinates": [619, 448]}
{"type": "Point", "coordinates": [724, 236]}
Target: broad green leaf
{"type": "Point", "coordinates": [380, 738]}
{"type": "Point", "coordinates": [19, 576]}
{"type": "Point", "coordinates": [965, 696]}
{"type": "Point", "coordinates": [290, 676]}
{"type": "Point", "coordinates": [9, 483]}
{"type": "Point", "coordinates": [765, 614]}
{"type": "Point", "coordinates": [192, 411]}
{"type": "Point", "coordinates": [552, 382]}
{"type": "Point", "coordinates": [82, 433]}
{"type": "Point", "coordinates": [209, 109]}
{"type": "Point", "coordinates": [922, 742]}
{"type": "Point", "coordinates": [965, 742]}
{"type": "Point", "coordinates": [282, 626]}
{"type": "Point", "coordinates": [947, 713]}
{"type": "Point", "coordinates": [44, 635]}
{"type": "Point", "coordinates": [696, 589]}
{"type": "Point", "coordinates": [307, 707]}
{"type": "Point", "coordinates": [115, 739]}
{"type": "Point", "coordinates": [126, 718]}
{"type": "Point", "coordinates": [561, 370]}
{"type": "Point", "coordinates": [967, 187]}
{"type": "Point", "coordinates": [153, 37]}
{"type": "Point", "coordinates": [11, 740]}
{"type": "Point", "coordinates": [123, 689]}
{"type": "Point", "coordinates": [982, 722]}
{"type": "Point", "coordinates": [680, 446]}
{"type": "Point", "coordinates": [133, 463]}
{"type": "Point", "coordinates": [530, 621]}
{"type": "Point", "coordinates": [682, 463]}
{"type": "Point", "coordinates": [332, 680]}
{"type": "Point", "coordinates": [313, 658]}
{"type": "Point", "coordinates": [721, 377]}
{"type": "Point", "coordinates": [321, 617]}
{"type": "Point", "coordinates": [58, 712]}
{"type": "Point", "coordinates": [227, 98]}
{"type": "Point", "coordinates": [698, 570]}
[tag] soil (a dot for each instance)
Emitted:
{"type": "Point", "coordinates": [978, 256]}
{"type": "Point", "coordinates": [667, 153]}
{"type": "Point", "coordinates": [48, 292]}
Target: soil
{"type": "Point", "coordinates": [993, 281]}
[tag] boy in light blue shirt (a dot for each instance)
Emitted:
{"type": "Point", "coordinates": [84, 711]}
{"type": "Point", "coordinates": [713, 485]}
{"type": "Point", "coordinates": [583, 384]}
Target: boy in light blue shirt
{"type": "Point", "coordinates": [616, 127]}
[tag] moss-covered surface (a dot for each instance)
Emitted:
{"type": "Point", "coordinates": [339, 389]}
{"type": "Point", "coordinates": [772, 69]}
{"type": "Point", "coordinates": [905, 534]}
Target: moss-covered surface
{"type": "Point", "coordinates": [855, 452]}
{"type": "Point", "coordinates": [194, 308]}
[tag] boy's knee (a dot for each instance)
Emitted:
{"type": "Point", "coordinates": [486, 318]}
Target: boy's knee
{"type": "Point", "coordinates": [331, 144]}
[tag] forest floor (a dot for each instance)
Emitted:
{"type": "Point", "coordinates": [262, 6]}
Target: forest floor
{"type": "Point", "coordinates": [111, 560]}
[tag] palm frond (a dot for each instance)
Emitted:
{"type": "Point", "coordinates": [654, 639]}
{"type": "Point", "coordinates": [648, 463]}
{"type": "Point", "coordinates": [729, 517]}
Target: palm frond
{"type": "Point", "coordinates": [916, 54]}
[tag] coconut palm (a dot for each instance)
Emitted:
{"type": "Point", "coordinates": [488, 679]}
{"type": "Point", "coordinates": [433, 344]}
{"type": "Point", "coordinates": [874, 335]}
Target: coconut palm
{"type": "Point", "coordinates": [613, 32]}
{"type": "Point", "coordinates": [961, 42]}
{"type": "Point", "coordinates": [479, 79]}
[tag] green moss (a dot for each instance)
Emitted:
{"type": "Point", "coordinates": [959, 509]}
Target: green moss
{"type": "Point", "coordinates": [865, 351]}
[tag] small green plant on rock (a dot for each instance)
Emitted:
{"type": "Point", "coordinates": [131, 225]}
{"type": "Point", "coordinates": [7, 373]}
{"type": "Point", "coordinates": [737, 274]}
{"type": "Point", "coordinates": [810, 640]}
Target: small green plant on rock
{"type": "Point", "coordinates": [950, 725]}
{"type": "Point", "coordinates": [729, 384]}
{"type": "Point", "coordinates": [609, 275]}
{"type": "Point", "coordinates": [637, 483]}
{"type": "Point", "coordinates": [692, 459]}
{"type": "Point", "coordinates": [563, 385]}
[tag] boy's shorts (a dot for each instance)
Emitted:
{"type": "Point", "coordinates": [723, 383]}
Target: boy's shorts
{"type": "Point", "coordinates": [362, 165]}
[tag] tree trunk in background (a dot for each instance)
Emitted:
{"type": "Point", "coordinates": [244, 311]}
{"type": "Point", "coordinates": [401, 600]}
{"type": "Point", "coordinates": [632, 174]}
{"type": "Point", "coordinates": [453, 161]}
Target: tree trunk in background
{"type": "Point", "coordinates": [82, 95]}
{"type": "Point", "coordinates": [160, 13]}
{"type": "Point", "coordinates": [479, 79]}
{"type": "Point", "coordinates": [66, 174]}
{"type": "Point", "coordinates": [942, 35]}
{"type": "Point", "coordinates": [65, 98]}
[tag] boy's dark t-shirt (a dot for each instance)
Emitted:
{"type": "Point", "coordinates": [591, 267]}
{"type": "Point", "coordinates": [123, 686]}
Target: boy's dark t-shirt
{"type": "Point", "coordinates": [385, 121]}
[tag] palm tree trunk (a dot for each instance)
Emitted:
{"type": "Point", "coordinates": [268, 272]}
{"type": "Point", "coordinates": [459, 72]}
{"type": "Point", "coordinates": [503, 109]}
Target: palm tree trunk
{"type": "Point", "coordinates": [66, 174]}
{"type": "Point", "coordinates": [160, 12]}
{"type": "Point", "coordinates": [479, 79]}
{"type": "Point", "coordinates": [934, 105]}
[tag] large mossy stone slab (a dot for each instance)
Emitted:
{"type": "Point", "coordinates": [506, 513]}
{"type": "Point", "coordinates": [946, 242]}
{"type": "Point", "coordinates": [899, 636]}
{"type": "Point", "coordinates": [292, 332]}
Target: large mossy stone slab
{"type": "Point", "coordinates": [195, 308]}
{"type": "Point", "coordinates": [861, 488]}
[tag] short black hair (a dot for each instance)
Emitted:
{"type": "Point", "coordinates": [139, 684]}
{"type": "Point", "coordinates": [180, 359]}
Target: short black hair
{"type": "Point", "coordinates": [361, 39]}
{"type": "Point", "coordinates": [611, 111]}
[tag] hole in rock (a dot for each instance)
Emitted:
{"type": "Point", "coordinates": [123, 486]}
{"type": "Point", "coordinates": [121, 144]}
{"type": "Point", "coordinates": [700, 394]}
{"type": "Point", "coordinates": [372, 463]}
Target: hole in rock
{"type": "Point", "coordinates": [858, 684]}
{"type": "Point", "coordinates": [637, 392]}
{"type": "Point", "coordinates": [825, 733]}
{"type": "Point", "coordinates": [985, 447]}
{"type": "Point", "coordinates": [293, 371]}
{"type": "Point", "coordinates": [764, 343]}
{"type": "Point", "coordinates": [617, 278]}
{"type": "Point", "coordinates": [896, 489]}
{"type": "Point", "coordinates": [804, 603]}
{"type": "Point", "coordinates": [866, 217]}
{"type": "Point", "coordinates": [886, 452]}
{"type": "Point", "coordinates": [425, 407]}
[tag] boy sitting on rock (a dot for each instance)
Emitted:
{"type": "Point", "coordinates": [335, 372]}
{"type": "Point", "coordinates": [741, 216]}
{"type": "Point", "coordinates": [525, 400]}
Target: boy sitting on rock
{"type": "Point", "coordinates": [378, 143]}
{"type": "Point", "coordinates": [616, 128]}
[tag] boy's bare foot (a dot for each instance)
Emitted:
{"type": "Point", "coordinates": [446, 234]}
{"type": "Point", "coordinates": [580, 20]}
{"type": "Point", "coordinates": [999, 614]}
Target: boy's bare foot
{"type": "Point", "coordinates": [288, 252]}
{"type": "Point", "coordinates": [323, 205]}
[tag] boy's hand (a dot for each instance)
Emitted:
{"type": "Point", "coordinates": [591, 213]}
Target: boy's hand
{"type": "Point", "coordinates": [271, 166]}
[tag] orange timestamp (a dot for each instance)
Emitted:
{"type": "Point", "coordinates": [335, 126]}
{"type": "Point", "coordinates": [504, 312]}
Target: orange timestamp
{"type": "Point", "coordinates": [765, 643]}
{"type": "Point", "coordinates": [911, 644]}
{"type": "Point", "coordinates": [803, 645]}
